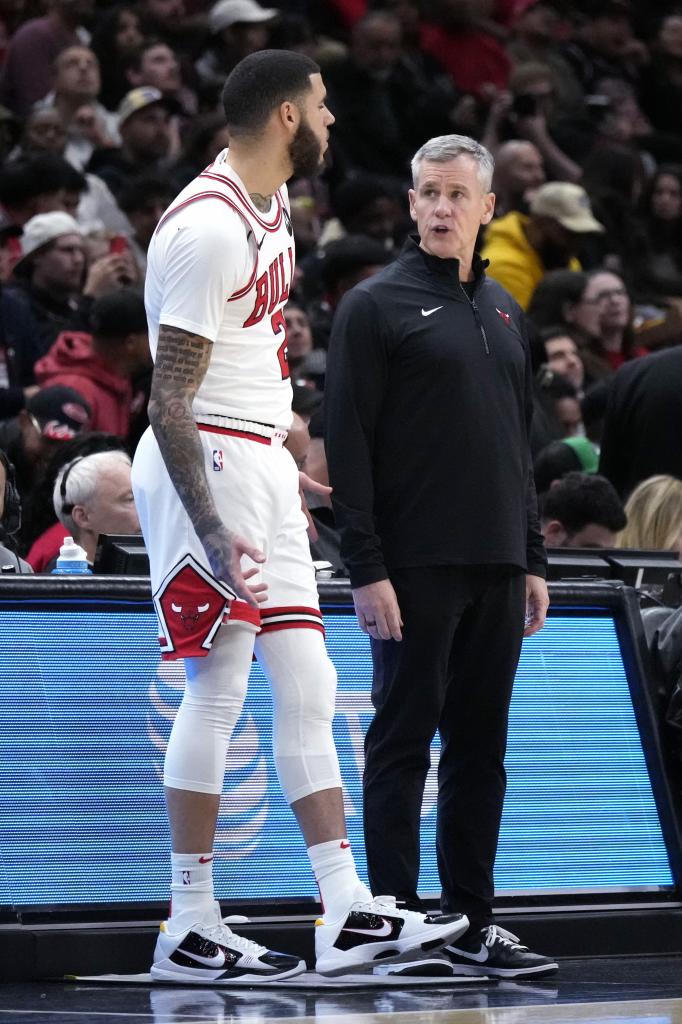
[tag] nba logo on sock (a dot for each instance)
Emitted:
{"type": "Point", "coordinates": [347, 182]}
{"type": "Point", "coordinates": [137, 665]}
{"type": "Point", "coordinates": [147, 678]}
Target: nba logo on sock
{"type": "Point", "coordinates": [217, 460]}
{"type": "Point", "coordinates": [186, 878]}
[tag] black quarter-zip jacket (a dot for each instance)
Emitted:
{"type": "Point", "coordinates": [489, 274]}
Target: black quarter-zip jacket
{"type": "Point", "coordinates": [428, 406]}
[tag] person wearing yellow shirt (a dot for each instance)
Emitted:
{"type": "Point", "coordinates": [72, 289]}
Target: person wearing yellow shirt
{"type": "Point", "coordinates": [521, 249]}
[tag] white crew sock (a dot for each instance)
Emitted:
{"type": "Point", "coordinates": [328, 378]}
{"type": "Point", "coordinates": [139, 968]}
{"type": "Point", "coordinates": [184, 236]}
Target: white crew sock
{"type": "Point", "coordinates": [191, 889]}
{"type": "Point", "coordinates": [337, 877]}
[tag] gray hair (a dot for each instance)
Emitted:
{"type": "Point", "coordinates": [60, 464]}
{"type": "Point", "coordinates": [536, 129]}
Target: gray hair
{"type": "Point", "coordinates": [444, 148]}
{"type": "Point", "coordinates": [81, 483]}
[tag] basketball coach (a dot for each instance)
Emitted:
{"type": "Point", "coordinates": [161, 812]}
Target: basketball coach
{"type": "Point", "coordinates": [428, 409]}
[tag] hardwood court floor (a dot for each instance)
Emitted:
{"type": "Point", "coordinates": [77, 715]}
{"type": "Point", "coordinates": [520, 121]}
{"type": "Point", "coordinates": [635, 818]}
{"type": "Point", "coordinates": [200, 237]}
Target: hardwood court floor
{"type": "Point", "coordinates": [614, 990]}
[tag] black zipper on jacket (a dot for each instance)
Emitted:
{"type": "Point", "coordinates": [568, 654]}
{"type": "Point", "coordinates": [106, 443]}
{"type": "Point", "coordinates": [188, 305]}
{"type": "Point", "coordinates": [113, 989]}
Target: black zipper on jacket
{"type": "Point", "coordinates": [477, 318]}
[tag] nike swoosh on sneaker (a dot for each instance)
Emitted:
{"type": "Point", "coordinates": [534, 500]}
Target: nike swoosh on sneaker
{"type": "Point", "coordinates": [480, 957]}
{"type": "Point", "coordinates": [378, 933]}
{"type": "Point", "coordinates": [428, 312]}
{"type": "Point", "coordinates": [216, 961]}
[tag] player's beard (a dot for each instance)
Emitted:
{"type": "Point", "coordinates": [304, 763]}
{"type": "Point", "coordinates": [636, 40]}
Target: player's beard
{"type": "Point", "coordinates": [305, 151]}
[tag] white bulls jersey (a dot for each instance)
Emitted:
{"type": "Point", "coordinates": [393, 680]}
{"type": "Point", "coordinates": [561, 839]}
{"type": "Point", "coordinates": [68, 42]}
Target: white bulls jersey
{"type": "Point", "coordinates": [220, 269]}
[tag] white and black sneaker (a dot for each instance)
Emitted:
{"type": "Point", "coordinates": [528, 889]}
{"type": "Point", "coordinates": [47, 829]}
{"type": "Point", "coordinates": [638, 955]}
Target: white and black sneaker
{"type": "Point", "coordinates": [379, 930]}
{"type": "Point", "coordinates": [210, 953]}
{"type": "Point", "coordinates": [497, 953]}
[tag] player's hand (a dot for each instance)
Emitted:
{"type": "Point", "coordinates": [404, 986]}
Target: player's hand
{"type": "Point", "coordinates": [306, 483]}
{"type": "Point", "coordinates": [224, 551]}
{"type": "Point", "coordinates": [537, 603]}
{"type": "Point", "coordinates": [376, 607]}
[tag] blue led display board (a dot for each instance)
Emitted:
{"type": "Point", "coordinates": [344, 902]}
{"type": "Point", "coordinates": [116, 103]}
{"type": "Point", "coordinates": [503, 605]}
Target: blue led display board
{"type": "Point", "coordinates": [86, 708]}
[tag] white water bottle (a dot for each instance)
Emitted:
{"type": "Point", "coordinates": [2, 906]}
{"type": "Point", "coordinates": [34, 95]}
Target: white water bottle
{"type": "Point", "coordinates": [72, 559]}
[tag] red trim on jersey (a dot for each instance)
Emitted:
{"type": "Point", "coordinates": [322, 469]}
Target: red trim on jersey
{"type": "Point", "coordinates": [250, 283]}
{"type": "Point", "coordinates": [250, 208]}
{"type": "Point", "coordinates": [299, 624]}
{"type": "Point", "coordinates": [290, 610]}
{"type": "Point", "coordinates": [241, 611]}
{"type": "Point", "coordinates": [216, 195]}
{"type": "Point", "coordinates": [210, 428]}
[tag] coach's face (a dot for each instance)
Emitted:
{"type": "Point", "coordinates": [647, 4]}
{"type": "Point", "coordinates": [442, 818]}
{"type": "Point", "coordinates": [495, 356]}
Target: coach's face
{"type": "Point", "coordinates": [448, 205]}
{"type": "Point", "coordinates": [310, 142]}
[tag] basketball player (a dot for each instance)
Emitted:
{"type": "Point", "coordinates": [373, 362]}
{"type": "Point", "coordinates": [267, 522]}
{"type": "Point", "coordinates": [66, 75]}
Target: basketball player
{"type": "Point", "coordinates": [215, 486]}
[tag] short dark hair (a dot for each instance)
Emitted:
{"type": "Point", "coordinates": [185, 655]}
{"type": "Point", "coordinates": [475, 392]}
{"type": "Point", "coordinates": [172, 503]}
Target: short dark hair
{"type": "Point", "coordinates": [117, 314]}
{"type": "Point", "coordinates": [582, 498]}
{"type": "Point", "coordinates": [40, 175]}
{"type": "Point", "coordinates": [137, 192]}
{"type": "Point", "coordinates": [260, 83]}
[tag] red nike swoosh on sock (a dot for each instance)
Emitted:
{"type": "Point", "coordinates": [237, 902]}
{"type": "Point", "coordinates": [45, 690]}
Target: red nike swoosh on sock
{"type": "Point", "coordinates": [205, 860]}
{"type": "Point", "coordinates": [344, 845]}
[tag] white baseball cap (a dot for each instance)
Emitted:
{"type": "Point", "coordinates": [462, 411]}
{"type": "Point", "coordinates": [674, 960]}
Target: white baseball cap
{"type": "Point", "coordinates": [44, 228]}
{"type": "Point", "coordinates": [231, 12]}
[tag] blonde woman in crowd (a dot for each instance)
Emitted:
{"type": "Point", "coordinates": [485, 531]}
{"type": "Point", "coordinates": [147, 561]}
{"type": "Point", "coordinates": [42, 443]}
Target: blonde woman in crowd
{"type": "Point", "coordinates": [654, 511]}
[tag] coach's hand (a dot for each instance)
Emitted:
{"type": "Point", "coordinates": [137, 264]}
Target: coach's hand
{"type": "Point", "coordinates": [537, 603]}
{"type": "Point", "coordinates": [224, 551]}
{"type": "Point", "coordinates": [376, 607]}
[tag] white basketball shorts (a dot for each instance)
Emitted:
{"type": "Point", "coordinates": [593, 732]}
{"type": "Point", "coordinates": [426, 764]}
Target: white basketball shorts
{"type": "Point", "coordinates": [254, 481]}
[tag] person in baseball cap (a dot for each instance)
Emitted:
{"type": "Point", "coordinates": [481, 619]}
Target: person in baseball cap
{"type": "Point", "coordinates": [144, 124]}
{"type": "Point", "coordinates": [51, 416]}
{"type": "Point", "coordinates": [41, 231]}
{"type": "Point", "coordinates": [238, 28]}
{"type": "Point", "coordinates": [522, 249]}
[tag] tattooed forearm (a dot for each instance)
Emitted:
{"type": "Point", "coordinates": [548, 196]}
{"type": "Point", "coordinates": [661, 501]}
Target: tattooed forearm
{"type": "Point", "coordinates": [261, 202]}
{"type": "Point", "coordinates": [181, 363]}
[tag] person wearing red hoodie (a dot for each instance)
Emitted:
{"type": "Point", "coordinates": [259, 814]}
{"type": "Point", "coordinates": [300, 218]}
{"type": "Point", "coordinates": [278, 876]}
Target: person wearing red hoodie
{"type": "Point", "coordinates": [103, 365]}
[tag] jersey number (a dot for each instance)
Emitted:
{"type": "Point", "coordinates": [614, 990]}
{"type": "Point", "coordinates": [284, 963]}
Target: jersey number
{"type": "Point", "coordinates": [278, 324]}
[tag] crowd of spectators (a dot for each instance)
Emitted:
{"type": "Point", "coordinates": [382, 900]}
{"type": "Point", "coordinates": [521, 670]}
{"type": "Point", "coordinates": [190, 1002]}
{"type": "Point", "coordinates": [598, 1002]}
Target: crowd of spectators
{"type": "Point", "coordinates": [109, 109]}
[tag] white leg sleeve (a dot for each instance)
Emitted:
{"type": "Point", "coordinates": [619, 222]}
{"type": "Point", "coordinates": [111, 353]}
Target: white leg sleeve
{"type": "Point", "coordinates": [212, 703]}
{"type": "Point", "coordinates": [303, 682]}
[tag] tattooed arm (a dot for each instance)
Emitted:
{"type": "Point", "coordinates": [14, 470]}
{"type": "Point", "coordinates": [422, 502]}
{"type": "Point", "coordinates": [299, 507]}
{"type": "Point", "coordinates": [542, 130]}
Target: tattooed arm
{"type": "Point", "coordinates": [181, 363]}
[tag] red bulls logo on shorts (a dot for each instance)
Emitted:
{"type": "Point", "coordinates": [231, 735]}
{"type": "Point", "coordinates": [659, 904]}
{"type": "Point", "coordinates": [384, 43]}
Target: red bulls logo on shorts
{"type": "Point", "coordinates": [190, 605]}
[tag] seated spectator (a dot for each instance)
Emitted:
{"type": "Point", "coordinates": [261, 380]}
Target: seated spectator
{"type": "Point", "coordinates": [50, 277]}
{"type": "Point", "coordinates": [93, 495]}
{"type": "Point", "coordinates": [535, 39]}
{"type": "Point", "coordinates": [556, 412]}
{"type": "Point", "coordinates": [556, 349]}
{"type": "Point", "coordinates": [51, 417]}
{"type": "Point", "coordinates": [18, 351]}
{"type": "Point", "coordinates": [526, 112]}
{"type": "Point", "coordinates": [299, 334]}
{"type": "Point", "coordinates": [615, 341]}
{"type": "Point", "coordinates": [366, 205]}
{"type": "Point", "coordinates": [570, 455]}
{"type": "Point", "coordinates": [581, 510]}
{"type": "Point", "coordinates": [10, 519]}
{"type": "Point", "coordinates": [604, 46]}
{"type": "Point", "coordinates": [102, 366]}
{"type": "Point", "coordinates": [383, 114]}
{"type": "Point", "coordinates": [659, 266]}
{"type": "Point", "coordinates": [143, 200]}
{"type": "Point", "coordinates": [654, 511]}
{"type": "Point", "coordinates": [75, 91]}
{"type": "Point", "coordinates": [237, 28]}
{"type": "Point", "coordinates": [522, 249]}
{"type": "Point", "coordinates": [32, 186]}
{"type": "Point", "coordinates": [204, 138]}
{"type": "Point", "coordinates": [560, 300]}
{"type": "Point", "coordinates": [458, 37]}
{"type": "Point", "coordinates": [519, 173]}
{"type": "Point", "coordinates": [614, 178]}
{"type": "Point", "coordinates": [643, 424]}
{"type": "Point", "coordinates": [26, 74]}
{"type": "Point", "coordinates": [42, 533]}
{"type": "Point", "coordinates": [44, 133]}
{"type": "Point", "coordinates": [145, 129]}
{"type": "Point", "coordinates": [662, 79]}
{"type": "Point", "coordinates": [117, 35]}
{"type": "Point", "coordinates": [156, 64]}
